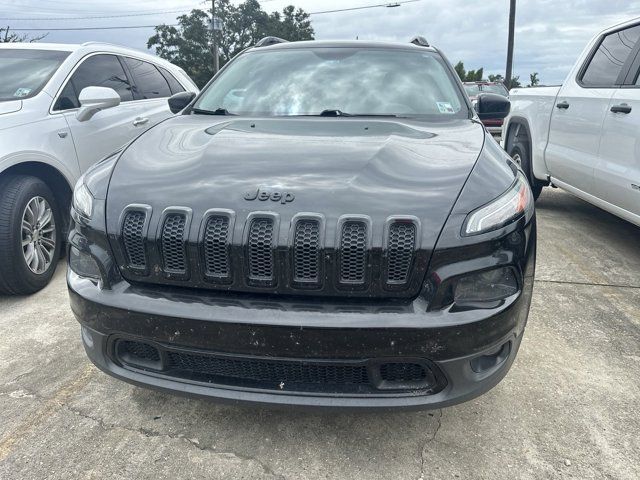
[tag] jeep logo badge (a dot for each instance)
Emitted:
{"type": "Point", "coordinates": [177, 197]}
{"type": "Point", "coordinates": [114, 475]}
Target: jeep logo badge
{"type": "Point", "coordinates": [273, 195]}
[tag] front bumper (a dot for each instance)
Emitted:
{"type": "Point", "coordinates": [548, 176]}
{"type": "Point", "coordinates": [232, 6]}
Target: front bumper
{"type": "Point", "coordinates": [467, 352]}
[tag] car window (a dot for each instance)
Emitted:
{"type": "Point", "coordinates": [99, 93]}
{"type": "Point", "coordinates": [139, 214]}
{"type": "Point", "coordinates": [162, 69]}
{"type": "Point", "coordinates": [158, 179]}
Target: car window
{"type": "Point", "coordinates": [356, 81]}
{"type": "Point", "coordinates": [610, 57]}
{"type": "Point", "coordinates": [68, 98]}
{"type": "Point", "coordinates": [149, 82]}
{"type": "Point", "coordinates": [472, 90]}
{"type": "Point", "coordinates": [175, 86]}
{"type": "Point", "coordinates": [102, 71]}
{"type": "Point", "coordinates": [498, 89]}
{"type": "Point", "coordinates": [25, 72]}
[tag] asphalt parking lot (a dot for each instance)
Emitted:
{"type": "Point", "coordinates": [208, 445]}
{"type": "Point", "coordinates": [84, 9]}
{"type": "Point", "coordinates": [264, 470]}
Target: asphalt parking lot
{"type": "Point", "coordinates": [568, 408]}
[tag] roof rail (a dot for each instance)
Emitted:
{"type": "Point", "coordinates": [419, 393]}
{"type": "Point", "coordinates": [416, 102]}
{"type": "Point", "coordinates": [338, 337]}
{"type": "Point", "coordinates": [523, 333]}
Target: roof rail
{"type": "Point", "coordinates": [266, 41]}
{"type": "Point", "coordinates": [420, 41]}
{"type": "Point", "coordinates": [86, 44]}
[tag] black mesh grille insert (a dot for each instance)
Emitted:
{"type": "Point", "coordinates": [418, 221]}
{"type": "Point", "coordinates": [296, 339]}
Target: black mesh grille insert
{"type": "Point", "coordinates": [401, 247]}
{"type": "Point", "coordinates": [260, 249]}
{"type": "Point", "coordinates": [173, 243]}
{"type": "Point", "coordinates": [353, 252]}
{"type": "Point", "coordinates": [138, 351]}
{"type": "Point", "coordinates": [216, 246]}
{"type": "Point", "coordinates": [403, 372]}
{"type": "Point", "coordinates": [132, 236]}
{"type": "Point", "coordinates": [269, 373]}
{"type": "Point", "coordinates": [306, 255]}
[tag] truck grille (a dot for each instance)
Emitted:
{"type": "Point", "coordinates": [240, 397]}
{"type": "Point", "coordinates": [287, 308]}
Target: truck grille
{"type": "Point", "coordinates": [265, 252]}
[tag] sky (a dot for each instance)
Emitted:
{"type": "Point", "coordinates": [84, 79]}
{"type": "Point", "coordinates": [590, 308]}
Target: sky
{"type": "Point", "coordinates": [550, 34]}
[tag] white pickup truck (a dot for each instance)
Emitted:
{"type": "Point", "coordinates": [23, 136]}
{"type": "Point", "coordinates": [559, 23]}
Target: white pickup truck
{"type": "Point", "coordinates": [584, 136]}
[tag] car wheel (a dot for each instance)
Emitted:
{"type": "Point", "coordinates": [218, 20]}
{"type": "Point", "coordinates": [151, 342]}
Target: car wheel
{"type": "Point", "coordinates": [30, 234]}
{"type": "Point", "coordinates": [521, 157]}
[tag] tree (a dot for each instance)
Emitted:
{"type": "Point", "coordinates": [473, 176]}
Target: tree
{"type": "Point", "coordinates": [496, 78]}
{"type": "Point", "coordinates": [242, 26]}
{"type": "Point", "coordinates": [6, 36]}
{"type": "Point", "coordinates": [459, 68]}
{"type": "Point", "coordinates": [533, 79]}
{"type": "Point", "coordinates": [515, 82]}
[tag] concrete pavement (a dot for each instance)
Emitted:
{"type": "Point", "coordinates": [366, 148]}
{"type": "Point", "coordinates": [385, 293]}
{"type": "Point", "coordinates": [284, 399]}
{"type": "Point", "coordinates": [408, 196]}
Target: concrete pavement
{"type": "Point", "coordinates": [568, 408]}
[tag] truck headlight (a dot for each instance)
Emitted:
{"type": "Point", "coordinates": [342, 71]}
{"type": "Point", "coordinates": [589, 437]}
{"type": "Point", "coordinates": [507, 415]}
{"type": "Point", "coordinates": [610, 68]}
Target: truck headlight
{"type": "Point", "coordinates": [516, 202]}
{"type": "Point", "coordinates": [82, 199]}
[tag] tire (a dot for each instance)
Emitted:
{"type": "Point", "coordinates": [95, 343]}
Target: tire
{"type": "Point", "coordinates": [521, 156]}
{"type": "Point", "coordinates": [42, 234]}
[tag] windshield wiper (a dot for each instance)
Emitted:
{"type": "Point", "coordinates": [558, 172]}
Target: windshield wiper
{"type": "Point", "coordinates": [340, 113]}
{"type": "Point", "coordinates": [217, 111]}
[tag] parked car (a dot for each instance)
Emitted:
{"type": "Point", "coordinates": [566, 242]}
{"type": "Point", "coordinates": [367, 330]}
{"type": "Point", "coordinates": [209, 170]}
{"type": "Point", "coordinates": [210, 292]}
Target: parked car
{"type": "Point", "coordinates": [583, 136]}
{"type": "Point", "coordinates": [302, 234]}
{"type": "Point", "coordinates": [63, 108]}
{"type": "Point", "coordinates": [473, 89]}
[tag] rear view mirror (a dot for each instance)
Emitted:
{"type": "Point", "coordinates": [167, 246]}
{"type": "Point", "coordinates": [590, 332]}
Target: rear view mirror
{"type": "Point", "coordinates": [180, 100]}
{"type": "Point", "coordinates": [491, 106]}
{"type": "Point", "coordinates": [94, 99]}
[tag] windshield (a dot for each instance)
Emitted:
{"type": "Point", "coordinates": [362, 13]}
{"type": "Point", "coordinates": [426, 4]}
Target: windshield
{"type": "Point", "coordinates": [472, 90]}
{"type": "Point", "coordinates": [25, 72]}
{"type": "Point", "coordinates": [497, 88]}
{"type": "Point", "coordinates": [349, 81]}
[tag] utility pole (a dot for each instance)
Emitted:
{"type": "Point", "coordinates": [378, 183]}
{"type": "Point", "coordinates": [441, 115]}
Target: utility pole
{"type": "Point", "coordinates": [214, 45]}
{"type": "Point", "coordinates": [512, 25]}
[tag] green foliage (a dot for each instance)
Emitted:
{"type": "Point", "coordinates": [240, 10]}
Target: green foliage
{"type": "Point", "coordinates": [471, 75]}
{"type": "Point", "coordinates": [514, 83]}
{"type": "Point", "coordinates": [189, 44]}
{"type": "Point", "coordinates": [496, 78]}
{"type": "Point", "coordinates": [533, 79]}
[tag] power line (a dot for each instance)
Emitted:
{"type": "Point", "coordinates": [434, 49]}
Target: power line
{"type": "Point", "coordinates": [393, 4]}
{"type": "Point", "coordinates": [89, 28]}
{"type": "Point", "coordinates": [158, 12]}
{"type": "Point", "coordinates": [364, 7]}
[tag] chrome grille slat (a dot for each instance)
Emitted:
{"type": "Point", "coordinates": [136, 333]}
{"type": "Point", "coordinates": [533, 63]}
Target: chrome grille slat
{"type": "Point", "coordinates": [173, 248]}
{"type": "Point", "coordinates": [133, 239]}
{"type": "Point", "coordinates": [260, 249]}
{"type": "Point", "coordinates": [306, 251]}
{"type": "Point", "coordinates": [353, 252]}
{"type": "Point", "coordinates": [400, 251]}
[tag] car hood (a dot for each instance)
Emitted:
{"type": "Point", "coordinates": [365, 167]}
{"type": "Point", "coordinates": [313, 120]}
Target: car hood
{"type": "Point", "coordinates": [10, 106]}
{"type": "Point", "coordinates": [331, 166]}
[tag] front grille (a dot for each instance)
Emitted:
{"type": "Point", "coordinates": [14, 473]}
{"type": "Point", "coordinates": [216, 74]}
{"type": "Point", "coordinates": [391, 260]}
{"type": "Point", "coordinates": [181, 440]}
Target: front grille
{"type": "Point", "coordinates": [173, 251]}
{"type": "Point", "coordinates": [133, 238]}
{"type": "Point", "coordinates": [353, 252]}
{"type": "Point", "coordinates": [402, 241]}
{"type": "Point", "coordinates": [266, 252]}
{"type": "Point", "coordinates": [216, 247]}
{"type": "Point", "coordinates": [260, 246]}
{"type": "Point", "coordinates": [270, 372]}
{"type": "Point", "coordinates": [289, 375]}
{"type": "Point", "coordinates": [306, 251]}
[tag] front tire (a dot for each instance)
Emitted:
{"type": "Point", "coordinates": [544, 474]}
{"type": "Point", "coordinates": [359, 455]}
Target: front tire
{"type": "Point", "coordinates": [30, 234]}
{"type": "Point", "coordinates": [521, 157]}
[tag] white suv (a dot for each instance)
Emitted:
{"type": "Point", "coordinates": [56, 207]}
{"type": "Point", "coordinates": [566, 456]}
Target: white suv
{"type": "Point", "coordinates": [62, 109]}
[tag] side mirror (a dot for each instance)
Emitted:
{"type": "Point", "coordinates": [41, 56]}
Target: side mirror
{"type": "Point", "coordinates": [491, 106]}
{"type": "Point", "coordinates": [180, 100]}
{"type": "Point", "coordinates": [94, 99]}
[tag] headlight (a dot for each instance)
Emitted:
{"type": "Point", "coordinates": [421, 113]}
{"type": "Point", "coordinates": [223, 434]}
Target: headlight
{"type": "Point", "coordinates": [511, 205]}
{"type": "Point", "coordinates": [82, 199]}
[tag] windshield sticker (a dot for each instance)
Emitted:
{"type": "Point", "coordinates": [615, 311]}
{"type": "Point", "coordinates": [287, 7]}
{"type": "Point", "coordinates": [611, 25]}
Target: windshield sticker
{"type": "Point", "coordinates": [22, 92]}
{"type": "Point", "coordinates": [445, 107]}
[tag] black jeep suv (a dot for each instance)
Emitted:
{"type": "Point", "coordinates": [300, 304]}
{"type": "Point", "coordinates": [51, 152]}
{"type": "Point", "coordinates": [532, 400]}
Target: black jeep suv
{"type": "Point", "coordinates": [326, 224]}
